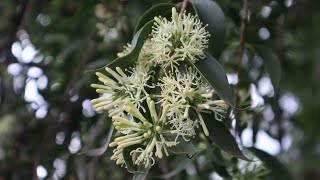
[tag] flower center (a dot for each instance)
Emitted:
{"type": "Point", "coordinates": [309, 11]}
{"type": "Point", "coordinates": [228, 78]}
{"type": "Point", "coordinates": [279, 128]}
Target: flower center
{"type": "Point", "coordinates": [175, 40]}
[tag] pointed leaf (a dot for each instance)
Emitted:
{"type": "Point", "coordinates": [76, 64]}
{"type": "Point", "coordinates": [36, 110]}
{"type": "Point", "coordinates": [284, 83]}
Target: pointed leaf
{"type": "Point", "coordinates": [131, 167]}
{"type": "Point", "coordinates": [143, 173]}
{"type": "Point", "coordinates": [183, 147]}
{"type": "Point", "coordinates": [210, 13]}
{"type": "Point", "coordinates": [218, 162]}
{"type": "Point", "coordinates": [136, 45]}
{"type": "Point", "coordinates": [180, 166]}
{"type": "Point", "coordinates": [278, 170]}
{"type": "Point", "coordinates": [214, 74]}
{"type": "Point", "coordinates": [222, 137]}
{"type": "Point", "coordinates": [162, 9]}
{"type": "Point", "coordinates": [272, 64]}
{"type": "Point", "coordinates": [222, 171]}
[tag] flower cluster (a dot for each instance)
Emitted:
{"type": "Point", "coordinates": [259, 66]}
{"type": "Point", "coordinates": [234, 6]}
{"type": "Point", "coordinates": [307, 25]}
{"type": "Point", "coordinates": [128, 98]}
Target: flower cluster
{"type": "Point", "coordinates": [187, 90]}
{"type": "Point", "coordinates": [142, 132]}
{"type": "Point", "coordinates": [115, 92]}
{"type": "Point", "coordinates": [182, 38]}
{"type": "Point", "coordinates": [148, 108]}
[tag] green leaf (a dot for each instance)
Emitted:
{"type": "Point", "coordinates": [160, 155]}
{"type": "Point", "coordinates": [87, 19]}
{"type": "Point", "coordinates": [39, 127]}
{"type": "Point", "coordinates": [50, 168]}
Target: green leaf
{"type": "Point", "coordinates": [209, 12]}
{"type": "Point", "coordinates": [272, 64]}
{"type": "Point", "coordinates": [214, 74]}
{"type": "Point", "coordinates": [180, 166]}
{"type": "Point", "coordinates": [162, 9]}
{"type": "Point", "coordinates": [128, 158]}
{"type": "Point", "coordinates": [143, 173]}
{"type": "Point", "coordinates": [222, 137]}
{"type": "Point", "coordinates": [218, 162]}
{"type": "Point", "coordinates": [278, 170]}
{"type": "Point", "coordinates": [136, 45]}
{"type": "Point", "coordinates": [183, 147]}
{"type": "Point", "coordinates": [222, 171]}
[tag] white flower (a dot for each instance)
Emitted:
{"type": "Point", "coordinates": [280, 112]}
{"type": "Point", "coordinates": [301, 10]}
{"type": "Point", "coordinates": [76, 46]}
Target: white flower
{"type": "Point", "coordinates": [122, 88]}
{"type": "Point", "coordinates": [126, 50]}
{"type": "Point", "coordinates": [144, 58]}
{"type": "Point", "coordinates": [147, 133]}
{"type": "Point", "coordinates": [184, 37]}
{"type": "Point", "coordinates": [187, 90]}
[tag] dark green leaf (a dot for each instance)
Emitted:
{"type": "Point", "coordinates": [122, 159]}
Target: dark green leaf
{"type": "Point", "coordinates": [214, 74]}
{"type": "Point", "coordinates": [222, 137]}
{"type": "Point", "coordinates": [272, 64]}
{"type": "Point", "coordinates": [210, 13]}
{"type": "Point", "coordinates": [181, 165]}
{"type": "Point", "coordinates": [136, 45]}
{"type": "Point", "coordinates": [162, 9]}
{"type": "Point", "coordinates": [128, 158]}
{"type": "Point", "coordinates": [218, 162]}
{"type": "Point", "coordinates": [143, 173]}
{"type": "Point", "coordinates": [278, 170]}
{"type": "Point", "coordinates": [183, 147]}
{"type": "Point", "coordinates": [214, 153]}
{"type": "Point", "coordinates": [222, 171]}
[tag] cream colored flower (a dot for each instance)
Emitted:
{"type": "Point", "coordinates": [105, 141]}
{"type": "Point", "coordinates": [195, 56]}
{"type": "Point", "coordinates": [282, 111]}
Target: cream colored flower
{"type": "Point", "coordinates": [184, 37]}
{"type": "Point", "coordinates": [126, 50]}
{"type": "Point", "coordinates": [144, 58]}
{"type": "Point", "coordinates": [122, 87]}
{"type": "Point", "coordinates": [148, 133]}
{"type": "Point", "coordinates": [187, 90]}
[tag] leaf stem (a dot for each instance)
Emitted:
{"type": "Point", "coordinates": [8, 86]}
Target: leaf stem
{"type": "Point", "coordinates": [244, 22]}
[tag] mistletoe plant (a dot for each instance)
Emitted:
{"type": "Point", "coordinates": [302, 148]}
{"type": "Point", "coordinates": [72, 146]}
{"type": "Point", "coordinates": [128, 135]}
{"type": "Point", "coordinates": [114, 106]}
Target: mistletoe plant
{"type": "Point", "coordinates": [166, 89]}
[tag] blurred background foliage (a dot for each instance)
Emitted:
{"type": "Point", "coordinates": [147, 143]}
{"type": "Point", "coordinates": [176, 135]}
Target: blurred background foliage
{"type": "Point", "coordinates": [46, 118]}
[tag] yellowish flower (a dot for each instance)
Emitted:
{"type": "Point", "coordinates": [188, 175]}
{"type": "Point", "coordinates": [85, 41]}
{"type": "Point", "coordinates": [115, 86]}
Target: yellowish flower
{"type": "Point", "coordinates": [187, 90]}
{"type": "Point", "coordinates": [122, 87]}
{"type": "Point", "coordinates": [149, 133]}
{"type": "Point", "coordinates": [184, 37]}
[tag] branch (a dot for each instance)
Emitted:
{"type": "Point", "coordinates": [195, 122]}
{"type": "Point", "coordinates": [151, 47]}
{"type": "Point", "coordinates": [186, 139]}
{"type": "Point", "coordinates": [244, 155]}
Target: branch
{"type": "Point", "coordinates": [184, 6]}
{"type": "Point", "coordinates": [244, 22]}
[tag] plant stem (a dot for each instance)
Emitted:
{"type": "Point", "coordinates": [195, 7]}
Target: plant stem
{"type": "Point", "coordinates": [184, 6]}
{"type": "Point", "coordinates": [244, 22]}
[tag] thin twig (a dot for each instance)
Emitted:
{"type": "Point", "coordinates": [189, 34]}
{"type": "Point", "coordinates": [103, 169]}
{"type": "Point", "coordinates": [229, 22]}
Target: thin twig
{"type": "Point", "coordinates": [25, 15]}
{"type": "Point", "coordinates": [244, 22]}
{"type": "Point", "coordinates": [184, 6]}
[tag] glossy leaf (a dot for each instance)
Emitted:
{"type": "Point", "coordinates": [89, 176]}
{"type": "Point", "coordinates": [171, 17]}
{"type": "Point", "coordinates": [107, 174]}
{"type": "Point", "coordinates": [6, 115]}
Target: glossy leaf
{"type": "Point", "coordinates": [222, 137]}
{"type": "Point", "coordinates": [183, 147]}
{"type": "Point", "coordinates": [272, 64]}
{"type": "Point", "coordinates": [143, 173]}
{"type": "Point", "coordinates": [214, 74]}
{"type": "Point", "coordinates": [136, 45]}
{"type": "Point", "coordinates": [222, 171]}
{"type": "Point", "coordinates": [162, 9]}
{"type": "Point", "coordinates": [210, 13]}
{"type": "Point", "coordinates": [278, 170]}
{"type": "Point", "coordinates": [181, 165]}
{"type": "Point", "coordinates": [128, 158]}
{"type": "Point", "coordinates": [218, 162]}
